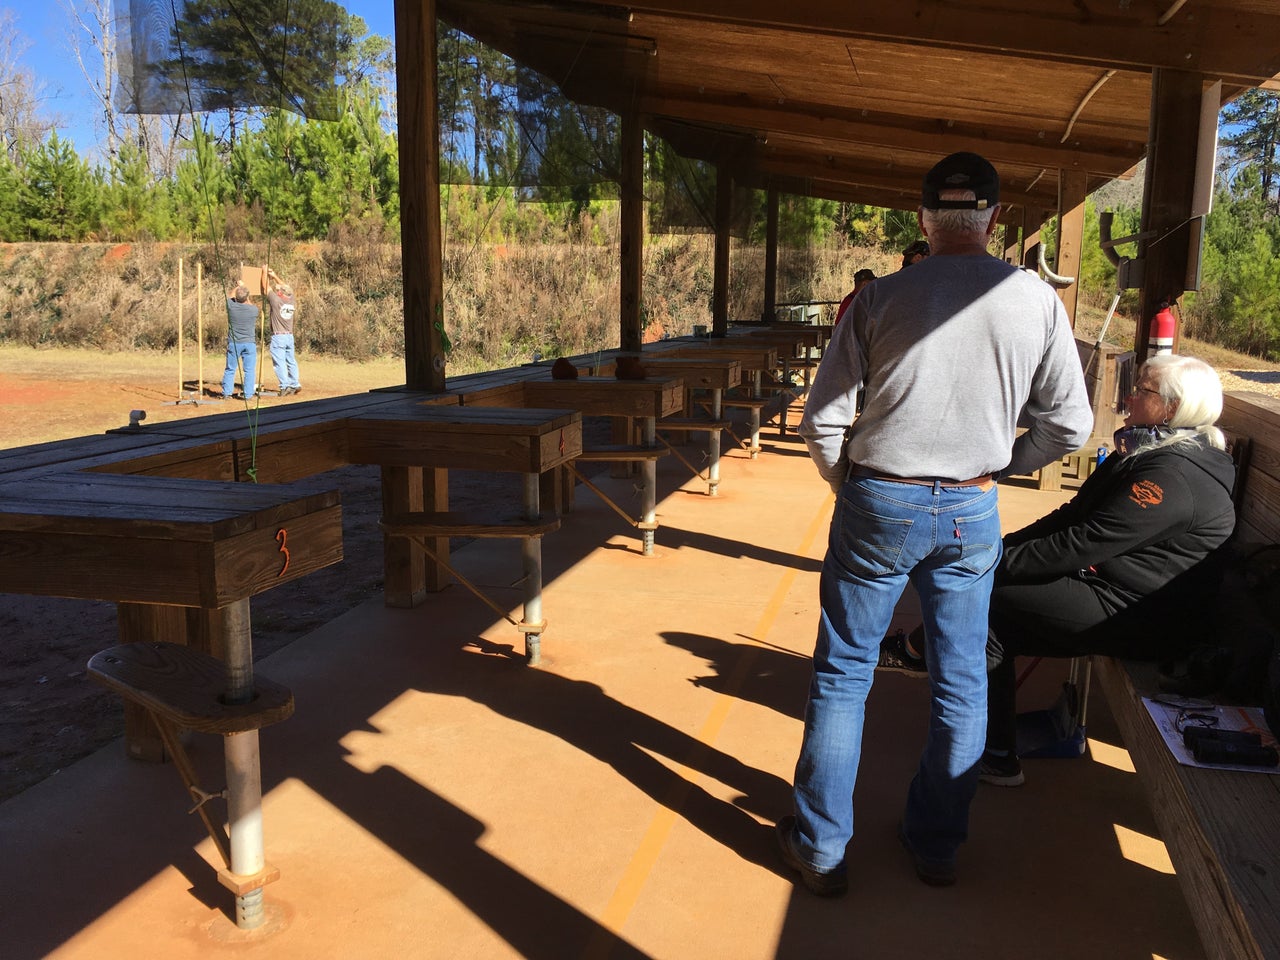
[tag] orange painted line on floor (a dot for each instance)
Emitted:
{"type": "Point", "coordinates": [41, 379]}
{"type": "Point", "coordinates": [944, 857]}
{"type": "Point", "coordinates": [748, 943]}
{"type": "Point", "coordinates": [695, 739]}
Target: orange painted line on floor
{"type": "Point", "coordinates": [646, 856]}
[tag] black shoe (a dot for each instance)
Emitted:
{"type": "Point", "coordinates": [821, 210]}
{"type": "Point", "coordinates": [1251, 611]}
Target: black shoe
{"type": "Point", "coordinates": [936, 873]}
{"type": "Point", "coordinates": [833, 883]}
{"type": "Point", "coordinates": [1003, 771]}
{"type": "Point", "coordinates": [896, 658]}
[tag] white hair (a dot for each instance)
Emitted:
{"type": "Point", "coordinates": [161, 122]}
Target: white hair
{"type": "Point", "coordinates": [1196, 388]}
{"type": "Point", "coordinates": [957, 221]}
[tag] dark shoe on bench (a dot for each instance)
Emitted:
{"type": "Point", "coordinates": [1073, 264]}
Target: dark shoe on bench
{"type": "Point", "coordinates": [895, 657]}
{"type": "Point", "coordinates": [833, 883]}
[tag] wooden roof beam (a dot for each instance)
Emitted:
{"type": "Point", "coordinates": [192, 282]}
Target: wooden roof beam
{"type": "Point", "coordinates": [902, 179]}
{"type": "Point", "coordinates": [1217, 39]}
{"type": "Point", "coordinates": [936, 138]}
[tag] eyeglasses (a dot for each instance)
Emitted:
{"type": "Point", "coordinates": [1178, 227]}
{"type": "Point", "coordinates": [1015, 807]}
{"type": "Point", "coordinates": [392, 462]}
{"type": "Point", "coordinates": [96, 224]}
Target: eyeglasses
{"type": "Point", "coordinates": [1137, 390]}
{"type": "Point", "coordinates": [1190, 718]}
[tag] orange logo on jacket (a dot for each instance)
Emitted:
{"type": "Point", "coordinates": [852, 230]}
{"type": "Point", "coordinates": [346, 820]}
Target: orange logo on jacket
{"type": "Point", "coordinates": [1146, 494]}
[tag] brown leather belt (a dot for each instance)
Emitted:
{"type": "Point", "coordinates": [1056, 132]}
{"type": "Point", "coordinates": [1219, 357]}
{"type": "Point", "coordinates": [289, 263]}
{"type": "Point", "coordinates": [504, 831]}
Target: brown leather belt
{"type": "Point", "coordinates": [985, 480]}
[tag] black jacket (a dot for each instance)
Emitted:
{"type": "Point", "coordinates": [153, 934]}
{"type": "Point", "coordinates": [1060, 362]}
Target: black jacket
{"type": "Point", "coordinates": [1136, 524]}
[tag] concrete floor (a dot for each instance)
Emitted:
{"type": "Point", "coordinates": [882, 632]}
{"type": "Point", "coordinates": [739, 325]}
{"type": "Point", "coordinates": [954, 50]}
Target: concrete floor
{"type": "Point", "coordinates": [433, 797]}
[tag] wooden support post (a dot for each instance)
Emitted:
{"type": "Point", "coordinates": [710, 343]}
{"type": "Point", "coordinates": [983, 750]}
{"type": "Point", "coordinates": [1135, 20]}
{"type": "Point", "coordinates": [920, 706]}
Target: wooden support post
{"type": "Point", "coordinates": [770, 308]}
{"type": "Point", "coordinates": [409, 576]}
{"type": "Point", "coordinates": [621, 431]}
{"type": "Point", "coordinates": [420, 240]}
{"type": "Point", "coordinates": [199, 329]}
{"type": "Point", "coordinates": [136, 623]}
{"type": "Point", "coordinates": [631, 242]}
{"type": "Point", "coordinates": [1072, 186]}
{"type": "Point", "coordinates": [1176, 98]}
{"type": "Point", "coordinates": [720, 280]}
{"type": "Point", "coordinates": [1012, 245]}
{"type": "Point", "coordinates": [181, 382]}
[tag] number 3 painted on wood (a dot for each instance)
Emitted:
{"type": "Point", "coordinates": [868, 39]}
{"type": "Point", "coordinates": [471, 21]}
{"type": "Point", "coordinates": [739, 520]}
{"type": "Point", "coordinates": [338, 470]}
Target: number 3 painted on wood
{"type": "Point", "coordinates": [282, 538]}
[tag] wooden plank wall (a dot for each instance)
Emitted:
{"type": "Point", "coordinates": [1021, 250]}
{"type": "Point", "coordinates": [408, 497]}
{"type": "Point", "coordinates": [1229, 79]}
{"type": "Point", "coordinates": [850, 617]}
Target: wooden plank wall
{"type": "Point", "coordinates": [1108, 377]}
{"type": "Point", "coordinates": [1257, 416]}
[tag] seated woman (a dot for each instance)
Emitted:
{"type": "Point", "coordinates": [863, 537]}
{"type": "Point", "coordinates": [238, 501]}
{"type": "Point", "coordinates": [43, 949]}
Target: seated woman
{"type": "Point", "coordinates": [1121, 569]}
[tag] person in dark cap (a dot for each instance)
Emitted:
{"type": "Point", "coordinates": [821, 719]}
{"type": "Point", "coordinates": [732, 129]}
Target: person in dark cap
{"type": "Point", "coordinates": [949, 353]}
{"type": "Point", "coordinates": [915, 253]}
{"type": "Point", "coordinates": [860, 280]}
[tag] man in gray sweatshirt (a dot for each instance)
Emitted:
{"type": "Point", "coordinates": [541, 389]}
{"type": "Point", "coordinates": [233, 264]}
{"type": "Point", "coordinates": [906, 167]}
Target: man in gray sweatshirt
{"type": "Point", "coordinates": [950, 353]}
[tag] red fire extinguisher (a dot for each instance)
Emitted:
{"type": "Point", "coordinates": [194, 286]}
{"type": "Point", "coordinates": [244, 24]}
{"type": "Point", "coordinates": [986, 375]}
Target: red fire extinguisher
{"type": "Point", "coordinates": [1160, 338]}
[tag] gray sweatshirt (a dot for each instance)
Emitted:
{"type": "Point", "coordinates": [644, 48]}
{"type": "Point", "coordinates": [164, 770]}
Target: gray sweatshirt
{"type": "Point", "coordinates": [951, 351]}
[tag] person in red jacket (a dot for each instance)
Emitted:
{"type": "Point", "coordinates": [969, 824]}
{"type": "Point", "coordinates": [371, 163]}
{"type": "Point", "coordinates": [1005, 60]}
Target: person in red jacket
{"type": "Point", "coordinates": [860, 280]}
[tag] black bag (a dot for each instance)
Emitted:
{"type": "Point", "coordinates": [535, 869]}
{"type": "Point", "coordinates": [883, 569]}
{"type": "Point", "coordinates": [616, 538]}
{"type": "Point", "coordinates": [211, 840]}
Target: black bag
{"type": "Point", "coordinates": [1240, 660]}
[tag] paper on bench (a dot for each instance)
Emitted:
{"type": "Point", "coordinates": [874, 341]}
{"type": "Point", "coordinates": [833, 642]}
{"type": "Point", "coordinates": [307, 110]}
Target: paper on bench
{"type": "Point", "coordinates": [1164, 713]}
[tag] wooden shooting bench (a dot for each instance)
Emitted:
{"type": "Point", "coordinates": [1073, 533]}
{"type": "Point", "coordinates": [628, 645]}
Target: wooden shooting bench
{"type": "Point", "coordinates": [155, 519]}
{"type": "Point", "coordinates": [1220, 826]}
{"type": "Point", "coordinates": [180, 558]}
{"type": "Point", "coordinates": [795, 345]}
{"type": "Point", "coordinates": [756, 358]}
{"type": "Point", "coordinates": [416, 445]}
{"type": "Point", "coordinates": [634, 406]}
{"type": "Point", "coordinates": [714, 374]}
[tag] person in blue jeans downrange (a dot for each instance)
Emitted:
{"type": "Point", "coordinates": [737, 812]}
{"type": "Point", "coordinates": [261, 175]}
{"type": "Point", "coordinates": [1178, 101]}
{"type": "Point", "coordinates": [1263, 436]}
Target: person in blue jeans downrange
{"type": "Point", "coordinates": [284, 307]}
{"type": "Point", "coordinates": [242, 349]}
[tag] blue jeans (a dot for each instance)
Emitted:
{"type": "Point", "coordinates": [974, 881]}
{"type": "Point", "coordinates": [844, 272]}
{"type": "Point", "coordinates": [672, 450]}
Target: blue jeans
{"type": "Point", "coordinates": [946, 541]}
{"type": "Point", "coordinates": [245, 352]}
{"type": "Point", "coordinates": [282, 360]}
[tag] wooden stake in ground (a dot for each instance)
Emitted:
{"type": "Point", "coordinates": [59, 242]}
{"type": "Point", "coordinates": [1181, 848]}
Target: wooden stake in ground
{"type": "Point", "coordinates": [200, 329]}
{"type": "Point", "coordinates": [181, 383]}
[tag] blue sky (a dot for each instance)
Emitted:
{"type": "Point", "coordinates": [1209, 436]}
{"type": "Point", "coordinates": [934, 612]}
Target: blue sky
{"type": "Point", "coordinates": [46, 27]}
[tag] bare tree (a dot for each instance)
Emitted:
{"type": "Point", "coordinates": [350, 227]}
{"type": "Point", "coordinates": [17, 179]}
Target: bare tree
{"type": "Point", "coordinates": [93, 40]}
{"type": "Point", "coordinates": [21, 95]}
{"type": "Point", "coordinates": [93, 35]}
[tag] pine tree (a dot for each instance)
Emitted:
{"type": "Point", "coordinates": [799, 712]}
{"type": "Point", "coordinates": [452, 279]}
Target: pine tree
{"type": "Point", "coordinates": [60, 198]}
{"type": "Point", "coordinates": [1252, 122]}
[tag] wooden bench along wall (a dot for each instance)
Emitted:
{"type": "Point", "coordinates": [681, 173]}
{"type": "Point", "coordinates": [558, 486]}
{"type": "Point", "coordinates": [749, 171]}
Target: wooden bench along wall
{"type": "Point", "coordinates": [1222, 827]}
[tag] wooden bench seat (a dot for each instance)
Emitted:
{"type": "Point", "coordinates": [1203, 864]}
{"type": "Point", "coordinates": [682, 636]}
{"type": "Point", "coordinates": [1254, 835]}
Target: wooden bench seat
{"type": "Point", "coordinates": [693, 423]}
{"type": "Point", "coordinates": [181, 687]}
{"type": "Point", "coordinates": [1220, 826]}
{"type": "Point", "coordinates": [712, 429]}
{"type": "Point", "coordinates": [480, 523]}
{"type": "Point", "coordinates": [621, 453]}
{"type": "Point", "coordinates": [753, 406]}
{"type": "Point", "coordinates": [430, 530]}
{"type": "Point", "coordinates": [187, 687]}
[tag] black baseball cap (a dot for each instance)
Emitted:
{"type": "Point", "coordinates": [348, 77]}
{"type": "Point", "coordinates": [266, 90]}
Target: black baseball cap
{"type": "Point", "coordinates": [961, 171]}
{"type": "Point", "coordinates": [864, 274]}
